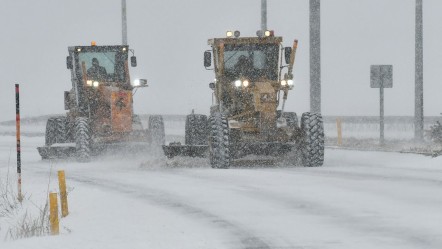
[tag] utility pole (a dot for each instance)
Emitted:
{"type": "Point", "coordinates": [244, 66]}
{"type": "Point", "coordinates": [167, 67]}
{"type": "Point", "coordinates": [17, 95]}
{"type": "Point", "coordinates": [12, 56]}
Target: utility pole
{"type": "Point", "coordinates": [419, 76]}
{"type": "Point", "coordinates": [124, 21]}
{"type": "Point", "coordinates": [315, 56]}
{"type": "Point", "coordinates": [263, 15]}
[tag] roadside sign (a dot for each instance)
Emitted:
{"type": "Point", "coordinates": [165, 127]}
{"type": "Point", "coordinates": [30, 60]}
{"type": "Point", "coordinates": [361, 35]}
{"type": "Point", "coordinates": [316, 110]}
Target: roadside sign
{"type": "Point", "coordinates": [381, 76]}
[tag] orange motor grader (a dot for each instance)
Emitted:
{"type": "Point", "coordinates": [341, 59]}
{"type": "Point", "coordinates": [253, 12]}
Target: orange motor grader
{"type": "Point", "coordinates": [99, 107]}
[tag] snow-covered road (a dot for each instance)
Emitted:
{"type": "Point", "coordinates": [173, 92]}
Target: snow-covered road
{"type": "Point", "coordinates": [356, 200]}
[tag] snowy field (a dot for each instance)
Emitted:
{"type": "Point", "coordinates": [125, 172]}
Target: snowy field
{"type": "Point", "coordinates": [395, 128]}
{"type": "Point", "coordinates": [352, 126]}
{"type": "Point", "coordinates": [356, 200]}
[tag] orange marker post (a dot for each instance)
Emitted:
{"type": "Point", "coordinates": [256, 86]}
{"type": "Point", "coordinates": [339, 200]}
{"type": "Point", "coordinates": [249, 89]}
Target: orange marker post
{"type": "Point", "coordinates": [17, 132]}
{"type": "Point", "coordinates": [339, 128]}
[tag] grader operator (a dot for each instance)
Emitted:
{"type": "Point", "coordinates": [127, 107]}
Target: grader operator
{"type": "Point", "coordinates": [244, 117]}
{"type": "Point", "coordinates": [100, 107]}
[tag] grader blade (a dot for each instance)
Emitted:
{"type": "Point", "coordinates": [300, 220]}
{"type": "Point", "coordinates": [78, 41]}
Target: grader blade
{"type": "Point", "coordinates": [57, 151]}
{"type": "Point", "coordinates": [176, 149]}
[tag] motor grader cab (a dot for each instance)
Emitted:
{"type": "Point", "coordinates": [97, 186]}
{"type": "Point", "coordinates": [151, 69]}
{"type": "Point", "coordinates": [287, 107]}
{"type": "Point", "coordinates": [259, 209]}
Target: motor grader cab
{"type": "Point", "coordinates": [248, 81]}
{"type": "Point", "coordinates": [253, 76]}
{"type": "Point", "coordinates": [100, 106]}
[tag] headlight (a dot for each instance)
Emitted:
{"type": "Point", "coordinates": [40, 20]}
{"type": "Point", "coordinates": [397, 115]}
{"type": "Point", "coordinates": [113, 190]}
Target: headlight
{"type": "Point", "coordinates": [290, 82]}
{"type": "Point", "coordinates": [245, 83]}
{"type": "Point", "coordinates": [229, 34]}
{"type": "Point", "coordinates": [283, 82]}
{"type": "Point", "coordinates": [96, 83]}
{"type": "Point", "coordinates": [89, 82]}
{"type": "Point", "coordinates": [237, 83]}
{"type": "Point", "coordinates": [137, 82]}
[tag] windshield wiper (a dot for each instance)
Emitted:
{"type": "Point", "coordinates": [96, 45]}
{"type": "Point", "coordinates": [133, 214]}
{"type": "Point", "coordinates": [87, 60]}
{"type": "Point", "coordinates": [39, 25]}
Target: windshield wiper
{"type": "Point", "coordinates": [109, 58]}
{"type": "Point", "coordinates": [225, 61]}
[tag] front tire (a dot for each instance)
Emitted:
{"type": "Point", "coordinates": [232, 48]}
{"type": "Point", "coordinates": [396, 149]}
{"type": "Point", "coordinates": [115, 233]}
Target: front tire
{"type": "Point", "coordinates": [312, 145]}
{"type": "Point", "coordinates": [291, 119]}
{"type": "Point", "coordinates": [219, 142]}
{"type": "Point", "coordinates": [82, 139]}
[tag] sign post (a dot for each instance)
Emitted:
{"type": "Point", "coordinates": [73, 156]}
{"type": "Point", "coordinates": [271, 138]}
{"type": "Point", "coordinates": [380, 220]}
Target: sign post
{"type": "Point", "coordinates": [381, 76]}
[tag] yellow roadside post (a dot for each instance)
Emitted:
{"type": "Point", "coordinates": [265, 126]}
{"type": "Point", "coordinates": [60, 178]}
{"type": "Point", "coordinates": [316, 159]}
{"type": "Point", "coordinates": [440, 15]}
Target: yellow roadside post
{"type": "Point", "coordinates": [53, 214]}
{"type": "Point", "coordinates": [63, 194]}
{"type": "Point", "coordinates": [339, 127]}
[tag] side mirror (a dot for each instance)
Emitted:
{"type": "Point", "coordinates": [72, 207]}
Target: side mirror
{"type": "Point", "coordinates": [212, 85]}
{"type": "Point", "coordinates": [287, 54]}
{"type": "Point", "coordinates": [69, 64]}
{"type": "Point", "coordinates": [133, 61]}
{"type": "Point", "coordinates": [207, 59]}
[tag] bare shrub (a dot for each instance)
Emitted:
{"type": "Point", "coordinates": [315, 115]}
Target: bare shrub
{"type": "Point", "coordinates": [30, 226]}
{"type": "Point", "coordinates": [15, 217]}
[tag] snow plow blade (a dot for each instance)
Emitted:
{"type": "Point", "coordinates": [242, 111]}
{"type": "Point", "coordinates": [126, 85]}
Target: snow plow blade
{"type": "Point", "coordinates": [176, 149]}
{"type": "Point", "coordinates": [124, 148]}
{"type": "Point", "coordinates": [57, 151]}
{"type": "Point", "coordinates": [68, 150]}
{"type": "Point", "coordinates": [262, 148]}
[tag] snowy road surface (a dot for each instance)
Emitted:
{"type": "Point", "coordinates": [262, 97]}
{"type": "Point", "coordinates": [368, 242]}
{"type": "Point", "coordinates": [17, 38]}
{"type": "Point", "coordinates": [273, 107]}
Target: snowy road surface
{"type": "Point", "coordinates": [356, 200]}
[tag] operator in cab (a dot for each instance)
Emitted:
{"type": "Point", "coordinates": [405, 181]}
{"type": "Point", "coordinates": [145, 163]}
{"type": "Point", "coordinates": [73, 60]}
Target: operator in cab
{"type": "Point", "coordinates": [244, 66]}
{"type": "Point", "coordinates": [96, 71]}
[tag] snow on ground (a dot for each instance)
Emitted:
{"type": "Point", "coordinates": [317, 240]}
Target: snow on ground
{"type": "Point", "coordinates": [356, 200]}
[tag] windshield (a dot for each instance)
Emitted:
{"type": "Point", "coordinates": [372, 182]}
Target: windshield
{"type": "Point", "coordinates": [253, 61]}
{"type": "Point", "coordinates": [103, 66]}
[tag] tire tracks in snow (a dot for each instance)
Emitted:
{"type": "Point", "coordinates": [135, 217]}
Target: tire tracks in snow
{"type": "Point", "coordinates": [367, 176]}
{"type": "Point", "coordinates": [367, 224]}
{"type": "Point", "coordinates": [164, 199]}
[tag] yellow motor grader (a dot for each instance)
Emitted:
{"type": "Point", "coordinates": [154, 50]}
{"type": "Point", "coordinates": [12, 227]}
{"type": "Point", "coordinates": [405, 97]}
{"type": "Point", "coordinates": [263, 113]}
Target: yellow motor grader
{"type": "Point", "coordinates": [244, 117]}
{"type": "Point", "coordinates": [100, 107]}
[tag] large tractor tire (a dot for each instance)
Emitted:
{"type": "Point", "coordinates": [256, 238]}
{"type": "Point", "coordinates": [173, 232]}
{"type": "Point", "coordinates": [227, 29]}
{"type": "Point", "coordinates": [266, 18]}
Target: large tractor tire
{"type": "Point", "coordinates": [196, 130]}
{"type": "Point", "coordinates": [219, 142]}
{"type": "Point", "coordinates": [82, 139]}
{"type": "Point", "coordinates": [291, 118]}
{"type": "Point", "coordinates": [156, 130]}
{"type": "Point", "coordinates": [55, 131]}
{"type": "Point", "coordinates": [312, 144]}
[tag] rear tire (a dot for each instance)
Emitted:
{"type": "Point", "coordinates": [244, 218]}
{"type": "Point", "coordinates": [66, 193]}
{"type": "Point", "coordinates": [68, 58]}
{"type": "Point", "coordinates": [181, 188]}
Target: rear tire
{"type": "Point", "coordinates": [156, 130]}
{"type": "Point", "coordinates": [219, 142]}
{"type": "Point", "coordinates": [82, 139]}
{"type": "Point", "coordinates": [196, 130]}
{"type": "Point", "coordinates": [312, 144]}
{"type": "Point", "coordinates": [55, 131]}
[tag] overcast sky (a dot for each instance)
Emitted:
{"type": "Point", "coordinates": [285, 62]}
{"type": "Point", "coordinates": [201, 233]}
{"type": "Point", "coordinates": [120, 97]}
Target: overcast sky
{"type": "Point", "coordinates": [170, 36]}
